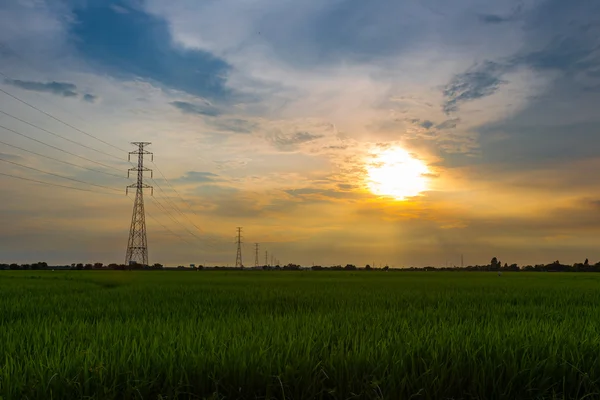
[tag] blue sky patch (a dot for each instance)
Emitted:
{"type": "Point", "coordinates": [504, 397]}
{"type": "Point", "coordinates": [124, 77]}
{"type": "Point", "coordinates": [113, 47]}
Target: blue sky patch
{"type": "Point", "coordinates": [131, 43]}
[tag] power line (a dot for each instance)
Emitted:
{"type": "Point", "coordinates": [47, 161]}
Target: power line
{"type": "Point", "coordinates": [61, 161]}
{"type": "Point", "coordinates": [175, 207]}
{"type": "Point", "coordinates": [55, 184]}
{"type": "Point", "coordinates": [57, 175]}
{"type": "Point", "coordinates": [167, 229]}
{"type": "Point", "coordinates": [59, 120]}
{"type": "Point", "coordinates": [59, 136]}
{"type": "Point", "coordinates": [58, 148]}
{"type": "Point", "coordinates": [173, 218]}
{"type": "Point", "coordinates": [176, 192]}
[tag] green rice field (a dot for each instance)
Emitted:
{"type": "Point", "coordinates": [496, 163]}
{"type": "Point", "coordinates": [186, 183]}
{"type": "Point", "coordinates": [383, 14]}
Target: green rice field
{"type": "Point", "coordinates": [298, 335]}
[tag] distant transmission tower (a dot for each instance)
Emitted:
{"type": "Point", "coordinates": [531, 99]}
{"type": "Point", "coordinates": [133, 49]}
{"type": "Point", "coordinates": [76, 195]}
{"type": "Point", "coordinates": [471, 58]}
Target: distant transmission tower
{"type": "Point", "coordinates": [267, 258]}
{"type": "Point", "coordinates": [256, 255]}
{"type": "Point", "coordinates": [238, 257]}
{"type": "Point", "coordinates": [137, 247]}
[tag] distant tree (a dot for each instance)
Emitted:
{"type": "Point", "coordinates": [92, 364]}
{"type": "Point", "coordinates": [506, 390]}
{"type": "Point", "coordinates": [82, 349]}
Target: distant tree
{"type": "Point", "coordinates": [586, 262]}
{"type": "Point", "coordinates": [367, 267]}
{"type": "Point", "coordinates": [386, 268]}
{"type": "Point", "coordinates": [350, 267]}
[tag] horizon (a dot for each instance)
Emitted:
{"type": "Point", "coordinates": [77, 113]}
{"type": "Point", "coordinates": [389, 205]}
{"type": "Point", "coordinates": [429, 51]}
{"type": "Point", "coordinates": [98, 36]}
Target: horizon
{"type": "Point", "coordinates": [330, 131]}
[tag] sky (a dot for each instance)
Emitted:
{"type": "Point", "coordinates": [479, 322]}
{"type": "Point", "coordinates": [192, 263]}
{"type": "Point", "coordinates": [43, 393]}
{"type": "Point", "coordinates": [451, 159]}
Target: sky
{"type": "Point", "coordinates": [272, 115]}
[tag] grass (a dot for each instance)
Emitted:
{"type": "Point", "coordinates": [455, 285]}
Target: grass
{"type": "Point", "coordinates": [297, 335]}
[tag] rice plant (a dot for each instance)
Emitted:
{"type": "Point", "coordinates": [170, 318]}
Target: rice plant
{"type": "Point", "coordinates": [298, 335]}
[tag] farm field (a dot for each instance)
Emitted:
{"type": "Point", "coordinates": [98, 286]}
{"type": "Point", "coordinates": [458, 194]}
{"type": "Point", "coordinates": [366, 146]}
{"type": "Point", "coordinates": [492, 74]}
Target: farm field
{"type": "Point", "coordinates": [299, 335]}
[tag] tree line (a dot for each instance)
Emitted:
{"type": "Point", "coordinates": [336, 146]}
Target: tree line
{"type": "Point", "coordinates": [494, 265]}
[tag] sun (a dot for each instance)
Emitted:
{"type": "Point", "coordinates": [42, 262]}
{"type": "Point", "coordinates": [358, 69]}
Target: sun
{"type": "Point", "coordinates": [396, 173]}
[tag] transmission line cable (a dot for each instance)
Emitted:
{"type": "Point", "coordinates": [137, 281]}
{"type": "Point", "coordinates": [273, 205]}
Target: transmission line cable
{"type": "Point", "coordinates": [57, 175]}
{"type": "Point", "coordinates": [56, 184]}
{"type": "Point", "coordinates": [59, 120]}
{"type": "Point", "coordinates": [175, 207]}
{"type": "Point", "coordinates": [173, 218]}
{"type": "Point", "coordinates": [176, 221]}
{"type": "Point", "coordinates": [58, 148]}
{"type": "Point", "coordinates": [176, 192]}
{"type": "Point", "coordinates": [186, 203]}
{"type": "Point", "coordinates": [60, 136]}
{"type": "Point", "coordinates": [62, 161]}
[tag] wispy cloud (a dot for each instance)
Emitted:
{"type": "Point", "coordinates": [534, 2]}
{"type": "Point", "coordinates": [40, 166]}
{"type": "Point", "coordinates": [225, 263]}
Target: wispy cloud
{"type": "Point", "coordinates": [198, 177]}
{"type": "Point", "coordinates": [290, 142]}
{"type": "Point", "coordinates": [479, 81]}
{"type": "Point", "coordinates": [90, 98]}
{"type": "Point", "coordinates": [206, 108]}
{"type": "Point", "coordinates": [63, 89]}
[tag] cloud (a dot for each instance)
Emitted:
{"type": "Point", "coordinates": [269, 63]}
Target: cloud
{"type": "Point", "coordinates": [90, 98]}
{"type": "Point", "coordinates": [424, 124]}
{"type": "Point", "coordinates": [139, 45]}
{"type": "Point", "coordinates": [479, 81]}
{"type": "Point", "coordinates": [236, 125]}
{"type": "Point", "coordinates": [448, 124]}
{"type": "Point", "coordinates": [493, 19]}
{"type": "Point", "coordinates": [63, 89]}
{"type": "Point", "coordinates": [290, 142]}
{"type": "Point", "coordinates": [10, 157]}
{"type": "Point", "coordinates": [198, 177]}
{"type": "Point", "coordinates": [205, 109]}
{"type": "Point", "coordinates": [323, 194]}
{"type": "Point", "coordinates": [119, 9]}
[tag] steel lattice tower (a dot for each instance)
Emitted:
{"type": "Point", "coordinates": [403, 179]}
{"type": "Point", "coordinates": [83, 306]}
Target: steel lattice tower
{"type": "Point", "coordinates": [256, 255]}
{"type": "Point", "coordinates": [238, 257]}
{"type": "Point", "coordinates": [137, 247]}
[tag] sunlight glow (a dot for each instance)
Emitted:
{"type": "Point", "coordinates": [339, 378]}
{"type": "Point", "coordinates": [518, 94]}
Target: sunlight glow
{"type": "Point", "coordinates": [396, 173]}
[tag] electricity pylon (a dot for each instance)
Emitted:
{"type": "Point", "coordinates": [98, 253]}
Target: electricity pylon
{"type": "Point", "coordinates": [256, 255]}
{"type": "Point", "coordinates": [137, 247]}
{"type": "Point", "coordinates": [238, 257]}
